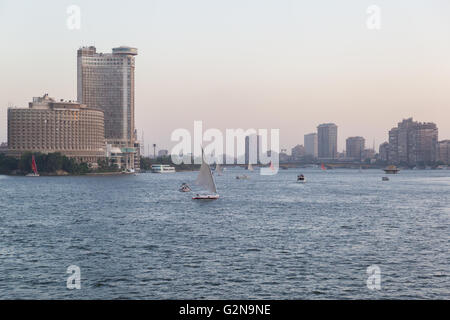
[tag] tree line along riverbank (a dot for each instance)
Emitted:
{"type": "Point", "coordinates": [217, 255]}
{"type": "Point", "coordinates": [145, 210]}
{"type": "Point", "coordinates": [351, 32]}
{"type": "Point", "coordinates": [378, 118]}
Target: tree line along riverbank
{"type": "Point", "coordinates": [51, 164]}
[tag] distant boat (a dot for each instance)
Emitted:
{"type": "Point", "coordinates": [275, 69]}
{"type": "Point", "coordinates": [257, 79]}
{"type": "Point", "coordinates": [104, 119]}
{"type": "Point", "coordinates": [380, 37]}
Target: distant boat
{"type": "Point", "coordinates": [219, 170]}
{"type": "Point", "coordinates": [184, 188]}
{"type": "Point", "coordinates": [205, 179]}
{"type": "Point", "coordinates": [162, 168]}
{"type": "Point", "coordinates": [243, 177]}
{"type": "Point", "coordinates": [33, 167]}
{"type": "Point", "coordinates": [301, 178]}
{"type": "Point", "coordinates": [385, 179]}
{"type": "Point", "coordinates": [391, 169]}
{"type": "Point", "coordinates": [323, 167]}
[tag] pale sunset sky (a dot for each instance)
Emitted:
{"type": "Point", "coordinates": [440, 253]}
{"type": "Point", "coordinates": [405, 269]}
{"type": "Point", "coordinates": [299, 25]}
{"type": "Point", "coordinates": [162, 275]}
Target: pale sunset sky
{"type": "Point", "coordinates": [285, 64]}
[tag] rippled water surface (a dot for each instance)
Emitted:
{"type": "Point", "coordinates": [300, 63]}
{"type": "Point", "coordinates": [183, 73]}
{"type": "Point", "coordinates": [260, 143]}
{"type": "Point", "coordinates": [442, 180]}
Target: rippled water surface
{"type": "Point", "coordinates": [267, 237]}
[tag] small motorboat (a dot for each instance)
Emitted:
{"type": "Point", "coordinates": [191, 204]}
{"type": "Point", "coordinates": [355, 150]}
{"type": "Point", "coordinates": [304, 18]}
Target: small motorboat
{"type": "Point", "coordinates": [243, 177]}
{"type": "Point", "coordinates": [301, 178]}
{"type": "Point", "coordinates": [184, 188]}
{"type": "Point", "coordinates": [385, 179]}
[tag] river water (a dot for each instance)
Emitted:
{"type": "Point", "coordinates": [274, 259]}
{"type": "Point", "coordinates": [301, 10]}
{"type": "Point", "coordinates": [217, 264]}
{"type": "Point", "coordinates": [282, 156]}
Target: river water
{"type": "Point", "coordinates": [137, 237]}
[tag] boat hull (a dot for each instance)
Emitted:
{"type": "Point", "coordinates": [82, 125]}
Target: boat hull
{"type": "Point", "coordinates": [206, 197]}
{"type": "Point", "coordinates": [32, 175]}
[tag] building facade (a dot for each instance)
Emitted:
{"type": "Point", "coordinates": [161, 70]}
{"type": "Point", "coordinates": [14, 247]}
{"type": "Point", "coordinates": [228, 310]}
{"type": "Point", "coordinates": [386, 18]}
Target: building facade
{"type": "Point", "coordinates": [106, 81]}
{"type": "Point", "coordinates": [425, 143]}
{"type": "Point", "coordinates": [413, 143]}
{"type": "Point", "coordinates": [3, 147]}
{"type": "Point", "coordinates": [327, 141]}
{"type": "Point", "coordinates": [443, 153]}
{"type": "Point", "coordinates": [46, 126]}
{"type": "Point", "coordinates": [298, 152]}
{"type": "Point", "coordinates": [368, 154]}
{"type": "Point", "coordinates": [383, 151]}
{"type": "Point", "coordinates": [311, 146]}
{"type": "Point", "coordinates": [163, 153]}
{"type": "Point", "coordinates": [355, 148]}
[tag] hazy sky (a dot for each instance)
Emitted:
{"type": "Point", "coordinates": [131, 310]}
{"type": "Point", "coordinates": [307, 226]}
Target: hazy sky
{"type": "Point", "coordinates": [284, 64]}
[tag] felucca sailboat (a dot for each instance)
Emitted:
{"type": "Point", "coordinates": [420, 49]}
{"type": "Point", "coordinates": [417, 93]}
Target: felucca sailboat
{"type": "Point", "coordinates": [219, 170]}
{"type": "Point", "coordinates": [33, 167]}
{"type": "Point", "coordinates": [205, 179]}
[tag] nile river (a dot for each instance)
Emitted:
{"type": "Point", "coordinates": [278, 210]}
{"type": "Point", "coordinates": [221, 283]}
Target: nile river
{"type": "Point", "coordinates": [137, 237]}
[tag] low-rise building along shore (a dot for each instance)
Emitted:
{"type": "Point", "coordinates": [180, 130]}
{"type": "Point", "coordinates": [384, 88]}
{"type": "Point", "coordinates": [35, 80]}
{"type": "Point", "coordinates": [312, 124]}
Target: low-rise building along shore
{"type": "Point", "coordinates": [67, 127]}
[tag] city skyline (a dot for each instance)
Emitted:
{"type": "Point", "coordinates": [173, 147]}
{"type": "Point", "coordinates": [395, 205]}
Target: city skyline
{"type": "Point", "coordinates": [364, 81]}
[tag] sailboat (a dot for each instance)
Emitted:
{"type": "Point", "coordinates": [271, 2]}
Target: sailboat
{"type": "Point", "coordinates": [205, 179]}
{"type": "Point", "coordinates": [323, 167]}
{"type": "Point", "coordinates": [219, 169]}
{"type": "Point", "coordinates": [244, 176]}
{"type": "Point", "coordinates": [33, 167]}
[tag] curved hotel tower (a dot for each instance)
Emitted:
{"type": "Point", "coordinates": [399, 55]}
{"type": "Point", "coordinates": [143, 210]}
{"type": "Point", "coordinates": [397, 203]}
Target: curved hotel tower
{"type": "Point", "coordinates": [106, 81]}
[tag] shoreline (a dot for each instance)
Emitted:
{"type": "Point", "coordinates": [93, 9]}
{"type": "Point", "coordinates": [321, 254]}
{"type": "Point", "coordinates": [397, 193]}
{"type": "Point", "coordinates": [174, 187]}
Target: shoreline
{"type": "Point", "coordinates": [114, 173]}
{"type": "Point", "coordinates": [69, 174]}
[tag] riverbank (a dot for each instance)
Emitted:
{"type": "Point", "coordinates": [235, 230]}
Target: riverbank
{"type": "Point", "coordinates": [66, 174]}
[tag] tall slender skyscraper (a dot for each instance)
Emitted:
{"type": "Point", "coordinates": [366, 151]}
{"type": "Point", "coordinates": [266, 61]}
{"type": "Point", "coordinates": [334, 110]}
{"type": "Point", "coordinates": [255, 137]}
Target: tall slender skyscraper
{"type": "Point", "coordinates": [106, 81]}
{"type": "Point", "coordinates": [310, 141]}
{"type": "Point", "coordinates": [327, 140]}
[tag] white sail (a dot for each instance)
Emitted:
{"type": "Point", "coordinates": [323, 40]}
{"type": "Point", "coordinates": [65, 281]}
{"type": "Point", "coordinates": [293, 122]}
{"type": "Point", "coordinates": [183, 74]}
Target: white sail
{"type": "Point", "coordinates": [218, 169]}
{"type": "Point", "coordinates": [205, 178]}
{"type": "Point", "coordinates": [250, 167]}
